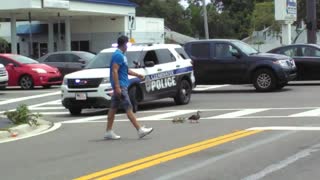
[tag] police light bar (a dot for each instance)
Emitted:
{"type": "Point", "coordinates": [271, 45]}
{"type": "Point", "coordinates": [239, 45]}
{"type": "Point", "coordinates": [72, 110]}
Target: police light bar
{"type": "Point", "coordinates": [116, 44]}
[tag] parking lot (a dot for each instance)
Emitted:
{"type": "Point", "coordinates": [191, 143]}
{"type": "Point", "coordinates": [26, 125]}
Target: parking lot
{"type": "Point", "coordinates": [242, 134]}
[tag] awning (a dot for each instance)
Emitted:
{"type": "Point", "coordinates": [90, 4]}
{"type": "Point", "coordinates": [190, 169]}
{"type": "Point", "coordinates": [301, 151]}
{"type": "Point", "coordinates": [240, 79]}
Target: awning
{"type": "Point", "coordinates": [113, 2]}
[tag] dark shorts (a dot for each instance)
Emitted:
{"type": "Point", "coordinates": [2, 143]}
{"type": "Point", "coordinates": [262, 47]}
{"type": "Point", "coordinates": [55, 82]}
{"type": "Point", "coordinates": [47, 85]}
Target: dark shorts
{"type": "Point", "coordinates": [124, 100]}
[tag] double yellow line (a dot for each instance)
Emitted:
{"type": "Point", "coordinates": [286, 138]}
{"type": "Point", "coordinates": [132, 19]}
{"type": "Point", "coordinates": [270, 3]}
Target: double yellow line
{"type": "Point", "coordinates": [153, 160]}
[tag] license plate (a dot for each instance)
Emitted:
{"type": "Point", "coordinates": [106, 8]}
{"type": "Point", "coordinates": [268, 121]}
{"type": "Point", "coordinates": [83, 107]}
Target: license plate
{"type": "Point", "coordinates": [81, 96]}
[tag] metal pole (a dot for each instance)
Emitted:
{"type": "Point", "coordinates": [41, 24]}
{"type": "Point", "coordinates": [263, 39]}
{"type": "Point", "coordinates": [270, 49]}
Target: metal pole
{"type": "Point", "coordinates": [13, 34]}
{"type": "Point", "coordinates": [312, 18]}
{"type": "Point", "coordinates": [30, 37]}
{"type": "Point", "coordinates": [205, 17]}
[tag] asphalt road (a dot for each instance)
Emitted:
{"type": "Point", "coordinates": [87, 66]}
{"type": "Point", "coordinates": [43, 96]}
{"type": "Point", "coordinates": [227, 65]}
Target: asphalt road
{"type": "Point", "coordinates": [242, 134]}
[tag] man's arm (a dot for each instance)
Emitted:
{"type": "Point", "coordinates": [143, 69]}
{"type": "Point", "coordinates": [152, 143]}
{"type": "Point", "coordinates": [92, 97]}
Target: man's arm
{"type": "Point", "coordinates": [115, 76]}
{"type": "Point", "coordinates": [132, 73]}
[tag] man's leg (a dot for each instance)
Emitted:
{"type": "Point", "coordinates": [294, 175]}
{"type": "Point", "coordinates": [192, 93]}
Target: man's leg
{"type": "Point", "coordinates": [133, 118]}
{"type": "Point", "coordinates": [111, 115]}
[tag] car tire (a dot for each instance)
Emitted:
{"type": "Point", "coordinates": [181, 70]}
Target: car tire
{"type": "Point", "coordinates": [280, 86]}
{"type": "Point", "coordinates": [183, 95]}
{"type": "Point", "coordinates": [133, 95]}
{"type": "Point", "coordinates": [75, 110]}
{"type": "Point", "coordinates": [264, 80]}
{"type": "Point", "coordinates": [26, 82]}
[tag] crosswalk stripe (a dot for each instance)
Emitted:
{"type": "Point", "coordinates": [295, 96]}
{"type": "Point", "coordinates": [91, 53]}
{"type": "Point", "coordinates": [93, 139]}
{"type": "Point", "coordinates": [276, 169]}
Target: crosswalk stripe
{"type": "Point", "coordinates": [237, 113]}
{"type": "Point", "coordinates": [311, 113]}
{"type": "Point", "coordinates": [47, 108]}
{"type": "Point", "coordinates": [206, 87]}
{"type": "Point", "coordinates": [167, 115]}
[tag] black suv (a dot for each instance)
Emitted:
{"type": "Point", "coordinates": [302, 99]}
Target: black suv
{"type": "Point", "coordinates": [224, 61]}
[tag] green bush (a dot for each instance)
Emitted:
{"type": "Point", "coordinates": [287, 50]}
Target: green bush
{"type": "Point", "coordinates": [22, 115]}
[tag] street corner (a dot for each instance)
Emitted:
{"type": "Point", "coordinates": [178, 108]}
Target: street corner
{"type": "Point", "coordinates": [25, 130]}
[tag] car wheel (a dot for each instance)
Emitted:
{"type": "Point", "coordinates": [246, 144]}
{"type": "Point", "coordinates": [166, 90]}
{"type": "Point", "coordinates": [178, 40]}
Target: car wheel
{"type": "Point", "coordinates": [133, 98]}
{"type": "Point", "coordinates": [264, 80]}
{"type": "Point", "coordinates": [281, 85]}
{"type": "Point", "coordinates": [75, 110]}
{"type": "Point", "coordinates": [47, 86]}
{"type": "Point", "coordinates": [184, 93]}
{"type": "Point", "coordinates": [26, 82]}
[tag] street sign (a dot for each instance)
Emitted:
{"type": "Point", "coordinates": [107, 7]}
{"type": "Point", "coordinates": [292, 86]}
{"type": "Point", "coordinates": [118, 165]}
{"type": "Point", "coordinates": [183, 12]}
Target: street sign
{"type": "Point", "coordinates": [285, 10]}
{"type": "Point", "coordinates": [131, 22]}
{"type": "Point", "coordinates": [58, 4]}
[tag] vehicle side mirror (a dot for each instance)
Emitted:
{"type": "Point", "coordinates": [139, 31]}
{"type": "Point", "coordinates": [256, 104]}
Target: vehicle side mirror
{"type": "Point", "coordinates": [236, 54]}
{"type": "Point", "coordinates": [137, 64]}
{"type": "Point", "coordinates": [10, 65]}
{"type": "Point", "coordinates": [82, 61]}
{"type": "Point", "coordinates": [149, 63]}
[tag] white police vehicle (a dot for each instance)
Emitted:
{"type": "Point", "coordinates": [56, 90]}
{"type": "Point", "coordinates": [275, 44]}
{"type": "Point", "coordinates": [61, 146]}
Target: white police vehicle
{"type": "Point", "coordinates": [4, 77]}
{"type": "Point", "coordinates": [168, 73]}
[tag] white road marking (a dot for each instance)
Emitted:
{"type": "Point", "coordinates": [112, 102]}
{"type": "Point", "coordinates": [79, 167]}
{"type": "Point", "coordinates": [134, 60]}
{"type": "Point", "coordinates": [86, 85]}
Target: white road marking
{"type": "Point", "coordinates": [282, 164]}
{"type": "Point", "coordinates": [47, 108]}
{"type": "Point", "coordinates": [211, 161]}
{"type": "Point", "coordinates": [207, 87]}
{"type": "Point", "coordinates": [286, 128]}
{"type": "Point", "coordinates": [311, 113]}
{"type": "Point", "coordinates": [88, 119]}
{"type": "Point", "coordinates": [28, 97]}
{"type": "Point", "coordinates": [55, 102]}
{"type": "Point", "coordinates": [167, 115]}
{"type": "Point", "coordinates": [237, 113]}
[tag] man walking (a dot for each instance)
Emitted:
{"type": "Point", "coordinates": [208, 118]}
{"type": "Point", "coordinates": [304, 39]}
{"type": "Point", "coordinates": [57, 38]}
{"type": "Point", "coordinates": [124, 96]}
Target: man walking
{"type": "Point", "coordinates": [119, 72]}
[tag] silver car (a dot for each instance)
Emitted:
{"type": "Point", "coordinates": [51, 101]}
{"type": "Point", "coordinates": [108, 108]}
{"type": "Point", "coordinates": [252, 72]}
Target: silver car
{"type": "Point", "coordinates": [67, 61]}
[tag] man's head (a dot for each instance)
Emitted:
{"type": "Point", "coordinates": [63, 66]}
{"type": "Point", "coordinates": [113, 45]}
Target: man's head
{"type": "Point", "coordinates": [122, 43]}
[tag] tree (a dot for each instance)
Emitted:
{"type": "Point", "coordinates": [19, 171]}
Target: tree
{"type": "Point", "coordinates": [175, 17]}
{"type": "Point", "coordinates": [3, 45]}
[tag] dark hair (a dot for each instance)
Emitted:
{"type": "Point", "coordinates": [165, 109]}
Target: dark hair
{"type": "Point", "coordinates": [122, 40]}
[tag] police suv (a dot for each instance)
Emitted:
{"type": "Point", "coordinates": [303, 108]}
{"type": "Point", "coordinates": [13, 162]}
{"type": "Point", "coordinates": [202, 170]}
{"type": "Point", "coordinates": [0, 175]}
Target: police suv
{"type": "Point", "coordinates": [168, 73]}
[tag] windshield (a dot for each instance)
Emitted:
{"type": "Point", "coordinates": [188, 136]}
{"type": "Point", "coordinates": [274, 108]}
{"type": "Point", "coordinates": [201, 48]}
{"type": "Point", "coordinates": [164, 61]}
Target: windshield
{"type": "Point", "coordinates": [23, 59]}
{"type": "Point", "coordinates": [86, 55]}
{"type": "Point", "coordinates": [102, 60]}
{"type": "Point", "coordinates": [245, 48]}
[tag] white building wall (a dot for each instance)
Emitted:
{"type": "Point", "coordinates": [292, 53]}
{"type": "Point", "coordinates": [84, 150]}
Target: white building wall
{"type": "Point", "coordinates": [148, 30]}
{"type": "Point", "coordinates": [101, 32]}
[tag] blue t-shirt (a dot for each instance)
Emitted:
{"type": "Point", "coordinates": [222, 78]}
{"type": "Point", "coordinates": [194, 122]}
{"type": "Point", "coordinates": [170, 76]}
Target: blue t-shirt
{"type": "Point", "coordinates": [119, 58]}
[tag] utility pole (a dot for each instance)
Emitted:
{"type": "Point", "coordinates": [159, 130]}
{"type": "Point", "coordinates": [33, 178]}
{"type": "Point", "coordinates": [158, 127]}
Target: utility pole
{"type": "Point", "coordinates": [205, 17]}
{"type": "Point", "coordinates": [312, 21]}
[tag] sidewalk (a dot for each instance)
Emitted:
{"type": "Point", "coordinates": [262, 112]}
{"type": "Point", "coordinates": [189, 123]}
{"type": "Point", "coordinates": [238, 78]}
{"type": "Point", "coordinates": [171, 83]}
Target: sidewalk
{"type": "Point", "coordinates": [11, 131]}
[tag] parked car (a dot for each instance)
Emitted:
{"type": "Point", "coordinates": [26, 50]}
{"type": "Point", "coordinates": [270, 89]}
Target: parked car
{"type": "Point", "coordinates": [3, 77]}
{"type": "Point", "coordinates": [27, 73]}
{"type": "Point", "coordinates": [225, 61]}
{"type": "Point", "coordinates": [167, 69]}
{"type": "Point", "coordinates": [67, 61]}
{"type": "Point", "coordinates": [306, 57]}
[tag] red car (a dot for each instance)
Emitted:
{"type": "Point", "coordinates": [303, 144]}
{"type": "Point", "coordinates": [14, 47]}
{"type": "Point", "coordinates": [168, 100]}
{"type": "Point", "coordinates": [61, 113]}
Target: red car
{"type": "Point", "coordinates": [27, 73]}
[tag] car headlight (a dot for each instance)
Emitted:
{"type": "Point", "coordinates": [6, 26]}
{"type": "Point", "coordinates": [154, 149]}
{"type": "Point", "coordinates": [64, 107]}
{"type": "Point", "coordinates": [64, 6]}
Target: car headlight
{"type": "Point", "coordinates": [105, 81]}
{"type": "Point", "coordinates": [65, 81]}
{"type": "Point", "coordinates": [283, 63]}
{"type": "Point", "coordinates": [39, 70]}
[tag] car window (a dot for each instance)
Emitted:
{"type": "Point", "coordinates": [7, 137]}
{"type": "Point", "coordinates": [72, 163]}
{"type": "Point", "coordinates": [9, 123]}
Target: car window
{"type": "Point", "coordinates": [103, 59]}
{"type": "Point", "coordinates": [293, 51]}
{"type": "Point", "coordinates": [86, 55]}
{"type": "Point", "coordinates": [55, 58]}
{"type": "Point", "coordinates": [165, 56]}
{"type": "Point", "coordinates": [311, 51]}
{"type": "Point", "coordinates": [23, 59]}
{"type": "Point", "coordinates": [224, 50]}
{"type": "Point", "coordinates": [71, 58]}
{"type": "Point", "coordinates": [151, 56]}
{"type": "Point", "coordinates": [200, 50]}
{"type": "Point", "coordinates": [182, 53]}
{"type": "Point", "coordinates": [4, 61]}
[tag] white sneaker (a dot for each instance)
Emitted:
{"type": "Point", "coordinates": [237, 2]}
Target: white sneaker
{"type": "Point", "coordinates": [143, 131]}
{"type": "Point", "coordinates": [111, 135]}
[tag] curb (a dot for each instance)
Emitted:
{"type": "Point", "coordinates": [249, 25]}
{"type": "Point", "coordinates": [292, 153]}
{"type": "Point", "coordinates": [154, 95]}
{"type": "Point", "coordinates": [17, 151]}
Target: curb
{"type": "Point", "coordinates": [22, 129]}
